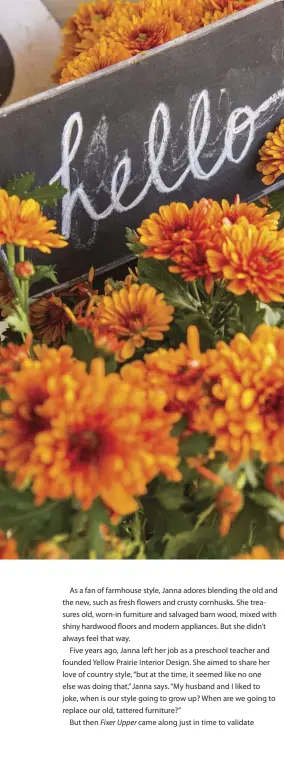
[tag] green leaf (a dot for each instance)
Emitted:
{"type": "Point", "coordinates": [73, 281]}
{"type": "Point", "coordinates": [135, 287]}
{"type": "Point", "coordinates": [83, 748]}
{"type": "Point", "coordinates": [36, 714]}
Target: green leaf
{"type": "Point", "coordinates": [276, 201]}
{"type": "Point", "coordinates": [183, 542]}
{"type": "Point", "coordinates": [179, 427]}
{"type": "Point", "coordinates": [266, 499]}
{"type": "Point", "coordinates": [18, 321]}
{"type": "Point", "coordinates": [251, 313]}
{"type": "Point", "coordinates": [170, 495]}
{"type": "Point", "coordinates": [205, 329]}
{"type": "Point", "coordinates": [132, 242]}
{"type": "Point", "coordinates": [197, 443]}
{"type": "Point", "coordinates": [21, 186]}
{"type": "Point", "coordinates": [174, 288]}
{"type": "Point", "coordinates": [97, 515]}
{"type": "Point", "coordinates": [44, 272]}
{"type": "Point", "coordinates": [241, 534]}
{"type": "Point", "coordinates": [82, 343]}
{"type": "Point", "coordinates": [48, 195]}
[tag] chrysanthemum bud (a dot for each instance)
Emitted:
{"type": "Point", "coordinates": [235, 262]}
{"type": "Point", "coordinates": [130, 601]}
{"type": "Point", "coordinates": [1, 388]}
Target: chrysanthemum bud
{"type": "Point", "coordinates": [24, 270]}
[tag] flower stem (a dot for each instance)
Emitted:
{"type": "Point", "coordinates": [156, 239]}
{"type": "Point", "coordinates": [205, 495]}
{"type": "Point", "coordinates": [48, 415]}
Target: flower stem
{"type": "Point", "coordinates": [10, 251]}
{"type": "Point", "coordinates": [204, 516]}
{"type": "Point", "coordinates": [195, 290]}
{"type": "Point", "coordinates": [21, 253]}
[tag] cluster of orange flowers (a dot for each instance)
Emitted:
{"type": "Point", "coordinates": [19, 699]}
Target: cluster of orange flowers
{"type": "Point", "coordinates": [239, 243]}
{"type": "Point", "coordinates": [87, 435]}
{"type": "Point", "coordinates": [70, 433]}
{"type": "Point", "coordinates": [234, 392]}
{"type": "Point", "coordinates": [104, 32]}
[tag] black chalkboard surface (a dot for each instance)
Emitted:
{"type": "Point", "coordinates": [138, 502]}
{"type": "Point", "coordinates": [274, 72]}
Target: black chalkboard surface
{"type": "Point", "coordinates": [183, 121]}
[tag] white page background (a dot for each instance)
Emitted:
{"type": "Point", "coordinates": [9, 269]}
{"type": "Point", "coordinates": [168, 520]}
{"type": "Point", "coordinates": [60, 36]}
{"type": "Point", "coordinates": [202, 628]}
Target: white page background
{"type": "Point", "coordinates": [38, 740]}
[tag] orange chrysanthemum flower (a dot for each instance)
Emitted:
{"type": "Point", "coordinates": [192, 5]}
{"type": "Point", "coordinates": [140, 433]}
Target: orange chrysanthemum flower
{"type": "Point", "coordinates": [22, 223]}
{"type": "Point", "coordinates": [187, 12]}
{"type": "Point", "coordinates": [104, 27]}
{"type": "Point", "coordinates": [104, 53]}
{"type": "Point", "coordinates": [140, 33]}
{"type": "Point", "coordinates": [104, 339]}
{"type": "Point", "coordinates": [26, 411]}
{"type": "Point", "coordinates": [271, 154]}
{"type": "Point", "coordinates": [134, 315]}
{"type": "Point", "coordinates": [220, 9]}
{"type": "Point", "coordinates": [49, 319]}
{"type": "Point", "coordinates": [11, 357]}
{"type": "Point", "coordinates": [183, 235]}
{"type": "Point", "coordinates": [224, 213]}
{"type": "Point", "coordinates": [88, 14]}
{"type": "Point", "coordinates": [244, 382]}
{"type": "Point", "coordinates": [87, 24]}
{"type": "Point", "coordinates": [274, 480]}
{"type": "Point", "coordinates": [8, 547]}
{"type": "Point", "coordinates": [250, 259]}
{"type": "Point", "coordinates": [178, 372]}
{"type": "Point", "coordinates": [257, 553]}
{"type": "Point", "coordinates": [110, 443]}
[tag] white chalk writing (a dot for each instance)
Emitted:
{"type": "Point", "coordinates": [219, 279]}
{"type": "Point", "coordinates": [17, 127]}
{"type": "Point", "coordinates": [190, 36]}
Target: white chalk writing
{"type": "Point", "coordinates": [239, 130]}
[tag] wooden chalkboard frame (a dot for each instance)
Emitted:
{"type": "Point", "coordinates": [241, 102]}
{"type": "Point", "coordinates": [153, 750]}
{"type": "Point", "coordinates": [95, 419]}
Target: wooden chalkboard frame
{"type": "Point", "coordinates": [21, 124]}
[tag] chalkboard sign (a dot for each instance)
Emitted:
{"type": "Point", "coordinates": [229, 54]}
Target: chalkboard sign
{"type": "Point", "coordinates": [178, 123]}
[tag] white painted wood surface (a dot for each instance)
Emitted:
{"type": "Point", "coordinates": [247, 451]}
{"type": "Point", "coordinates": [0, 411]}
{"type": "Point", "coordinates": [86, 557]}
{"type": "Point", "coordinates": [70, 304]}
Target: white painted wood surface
{"type": "Point", "coordinates": [33, 37]}
{"type": "Point", "coordinates": [61, 9]}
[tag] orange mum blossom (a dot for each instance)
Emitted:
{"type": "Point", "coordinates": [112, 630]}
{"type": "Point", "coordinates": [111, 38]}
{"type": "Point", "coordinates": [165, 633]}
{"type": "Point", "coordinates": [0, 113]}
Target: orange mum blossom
{"type": "Point", "coordinates": [110, 443]}
{"type": "Point", "coordinates": [274, 480]}
{"type": "Point", "coordinates": [34, 392]}
{"type": "Point", "coordinates": [187, 12]}
{"type": "Point", "coordinates": [271, 154]}
{"type": "Point", "coordinates": [244, 382]}
{"type": "Point", "coordinates": [178, 372]}
{"type": "Point", "coordinates": [8, 547]}
{"type": "Point", "coordinates": [48, 319]}
{"type": "Point", "coordinates": [224, 213]}
{"type": "Point", "coordinates": [104, 53]}
{"type": "Point", "coordinates": [184, 235]}
{"type": "Point", "coordinates": [220, 9]}
{"type": "Point", "coordinates": [250, 258]}
{"type": "Point", "coordinates": [140, 33]}
{"type": "Point", "coordinates": [106, 26]}
{"type": "Point", "coordinates": [134, 315]}
{"type": "Point", "coordinates": [229, 503]}
{"type": "Point", "coordinates": [22, 223]}
{"type": "Point", "coordinates": [89, 19]}
{"type": "Point", "coordinates": [257, 553]}
{"type": "Point", "coordinates": [11, 357]}
{"type": "Point", "coordinates": [104, 339]}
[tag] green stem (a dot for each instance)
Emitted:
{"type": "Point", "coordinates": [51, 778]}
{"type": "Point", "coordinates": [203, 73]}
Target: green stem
{"type": "Point", "coordinates": [10, 251]}
{"type": "Point", "coordinates": [195, 290]}
{"type": "Point", "coordinates": [21, 253]}
{"type": "Point", "coordinates": [204, 516]}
